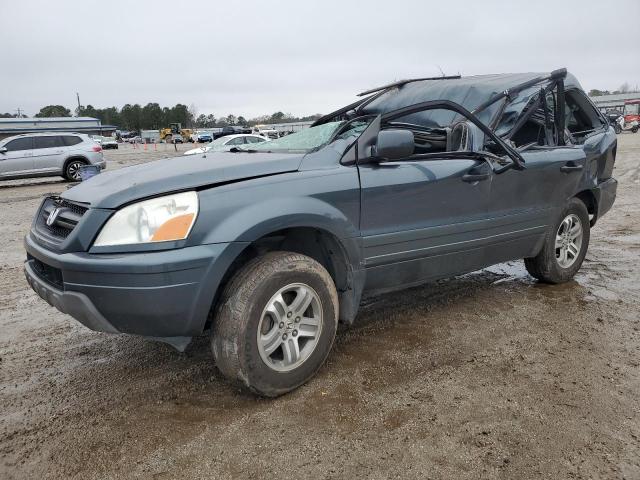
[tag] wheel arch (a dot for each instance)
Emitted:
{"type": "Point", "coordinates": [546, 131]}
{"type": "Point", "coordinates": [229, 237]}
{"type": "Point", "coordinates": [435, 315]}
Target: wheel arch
{"type": "Point", "coordinates": [339, 256]}
{"type": "Point", "coordinates": [72, 158]}
{"type": "Point", "coordinates": [591, 202]}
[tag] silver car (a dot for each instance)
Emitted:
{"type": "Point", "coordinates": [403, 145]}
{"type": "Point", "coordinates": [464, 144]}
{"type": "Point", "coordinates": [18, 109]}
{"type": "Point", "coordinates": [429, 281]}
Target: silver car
{"type": "Point", "coordinates": [48, 154]}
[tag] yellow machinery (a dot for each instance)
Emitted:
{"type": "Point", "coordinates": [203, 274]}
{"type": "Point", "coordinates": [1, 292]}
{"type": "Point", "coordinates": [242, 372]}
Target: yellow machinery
{"type": "Point", "coordinates": [167, 134]}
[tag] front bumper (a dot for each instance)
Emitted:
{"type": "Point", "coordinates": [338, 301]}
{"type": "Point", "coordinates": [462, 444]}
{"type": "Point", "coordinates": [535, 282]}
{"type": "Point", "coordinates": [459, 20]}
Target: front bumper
{"type": "Point", "coordinates": [158, 294]}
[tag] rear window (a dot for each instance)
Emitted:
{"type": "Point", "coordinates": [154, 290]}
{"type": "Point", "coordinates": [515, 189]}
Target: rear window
{"type": "Point", "coordinates": [18, 144]}
{"type": "Point", "coordinates": [70, 140]}
{"type": "Point", "coordinates": [47, 142]}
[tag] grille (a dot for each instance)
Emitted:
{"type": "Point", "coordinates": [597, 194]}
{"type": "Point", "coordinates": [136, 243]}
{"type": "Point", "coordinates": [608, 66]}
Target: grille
{"type": "Point", "coordinates": [65, 220]}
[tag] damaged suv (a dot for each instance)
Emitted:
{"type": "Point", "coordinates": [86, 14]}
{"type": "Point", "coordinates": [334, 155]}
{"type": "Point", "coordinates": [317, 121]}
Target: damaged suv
{"type": "Point", "coordinates": [270, 245]}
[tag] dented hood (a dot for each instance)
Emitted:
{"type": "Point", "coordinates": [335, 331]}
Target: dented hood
{"type": "Point", "coordinates": [112, 189]}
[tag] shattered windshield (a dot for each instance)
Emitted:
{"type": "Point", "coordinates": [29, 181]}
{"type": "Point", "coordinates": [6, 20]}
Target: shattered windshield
{"type": "Point", "coordinates": [303, 141]}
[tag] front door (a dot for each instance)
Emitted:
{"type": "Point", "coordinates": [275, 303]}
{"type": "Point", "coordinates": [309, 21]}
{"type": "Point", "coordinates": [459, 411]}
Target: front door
{"type": "Point", "coordinates": [18, 159]}
{"type": "Point", "coordinates": [422, 220]}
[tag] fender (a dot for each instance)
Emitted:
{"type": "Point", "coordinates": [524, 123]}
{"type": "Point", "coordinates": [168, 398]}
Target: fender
{"type": "Point", "coordinates": [327, 200]}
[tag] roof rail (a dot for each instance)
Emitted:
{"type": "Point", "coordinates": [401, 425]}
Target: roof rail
{"type": "Point", "coordinates": [404, 82]}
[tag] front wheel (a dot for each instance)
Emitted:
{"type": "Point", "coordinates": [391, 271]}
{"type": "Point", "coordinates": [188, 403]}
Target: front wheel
{"type": "Point", "coordinates": [72, 170]}
{"type": "Point", "coordinates": [275, 323]}
{"type": "Point", "coordinates": [565, 246]}
{"type": "Point", "coordinates": [634, 129]}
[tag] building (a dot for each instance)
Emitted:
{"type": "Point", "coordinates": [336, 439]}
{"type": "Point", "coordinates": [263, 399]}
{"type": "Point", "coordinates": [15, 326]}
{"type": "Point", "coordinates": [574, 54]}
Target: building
{"type": "Point", "coordinates": [88, 125]}
{"type": "Point", "coordinates": [613, 102]}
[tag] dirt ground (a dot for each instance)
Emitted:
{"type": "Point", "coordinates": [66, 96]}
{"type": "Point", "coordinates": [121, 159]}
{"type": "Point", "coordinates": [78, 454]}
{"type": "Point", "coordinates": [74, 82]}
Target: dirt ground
{"type": "Point", "coordinates": [488, 375]}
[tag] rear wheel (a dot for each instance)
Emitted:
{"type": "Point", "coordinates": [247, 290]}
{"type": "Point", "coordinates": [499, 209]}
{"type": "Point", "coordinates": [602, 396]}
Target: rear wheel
{"type": "Point", "coordinates": [72, 170]}
{"type": "Point", "coordinates": [565, 246]}
{"type": "Point", "coordinates": [617, 129]}
{"type": "Point", "coordinates": [275, 323]}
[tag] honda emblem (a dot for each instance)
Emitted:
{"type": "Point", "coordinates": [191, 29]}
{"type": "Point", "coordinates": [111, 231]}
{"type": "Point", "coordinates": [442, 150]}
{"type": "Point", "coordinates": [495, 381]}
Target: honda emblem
{"type": "Point", "coordinates": [52, 216]}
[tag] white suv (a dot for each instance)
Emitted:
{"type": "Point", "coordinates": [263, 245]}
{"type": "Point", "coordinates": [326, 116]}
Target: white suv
{"type": "Point", "coordinates": [47, 154]}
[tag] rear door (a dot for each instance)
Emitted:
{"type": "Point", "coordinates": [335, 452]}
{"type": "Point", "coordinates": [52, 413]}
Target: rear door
{"type": "Point", "coordinates": [48, 153]}
{"type": "Point", "coordinates": [18, 159]}
{"type": "Point", "coordinates": [525, 204]}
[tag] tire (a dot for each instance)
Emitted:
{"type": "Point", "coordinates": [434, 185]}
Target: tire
{"type": "Point", "coordinates": [550, 266]}
{"type": "Point", "coordinates": [617, 129]}
{"type": "Point", "coordinates": [245, 330]}
{"type": "Point", "coordinates": [72, 169]}
{"type": "Point", "coordinates": [634, 130]}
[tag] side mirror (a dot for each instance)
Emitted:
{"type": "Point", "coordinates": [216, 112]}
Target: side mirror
{"type": "Point", "coordinates": [393, 145]}
{"type": "Point", "coordinates": [3, 149]}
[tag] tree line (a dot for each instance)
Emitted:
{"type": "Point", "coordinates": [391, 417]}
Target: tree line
{"type": "Point", "coordinates": [153, 117]}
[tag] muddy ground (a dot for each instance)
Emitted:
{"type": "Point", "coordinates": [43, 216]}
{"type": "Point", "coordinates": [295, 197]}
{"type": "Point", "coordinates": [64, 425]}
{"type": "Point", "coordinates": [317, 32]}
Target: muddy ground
{"type": "Point", "coordinates": [489, 375]}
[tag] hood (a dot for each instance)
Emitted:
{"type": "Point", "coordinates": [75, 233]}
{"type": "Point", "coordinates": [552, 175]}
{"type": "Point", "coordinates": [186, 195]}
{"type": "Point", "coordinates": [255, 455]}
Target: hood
{"type": "Point", "coordinates": [115, 188]}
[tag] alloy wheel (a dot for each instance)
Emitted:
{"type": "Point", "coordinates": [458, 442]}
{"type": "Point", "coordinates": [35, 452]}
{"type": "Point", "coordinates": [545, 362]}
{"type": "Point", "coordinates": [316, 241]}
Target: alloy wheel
{"type": "Point", "coordinates": [290, 327]}
{"type": "Point", "coordinates": [568, 240]}
{"type": "Point", "coordinates": [73, 170]}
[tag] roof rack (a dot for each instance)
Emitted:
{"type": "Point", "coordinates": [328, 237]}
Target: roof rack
{"type": "Point", "coordinates": [404, 82]}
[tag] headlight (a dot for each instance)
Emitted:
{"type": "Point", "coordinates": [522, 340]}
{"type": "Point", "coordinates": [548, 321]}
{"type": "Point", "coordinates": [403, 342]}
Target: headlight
{"type": "Point", "coordinates": [156, 220]}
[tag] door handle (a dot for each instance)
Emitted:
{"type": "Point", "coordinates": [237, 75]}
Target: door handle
{"type": "Point", "coordinates": [571, 168]}
{"type": "Point", "coordinates": [475, 177]}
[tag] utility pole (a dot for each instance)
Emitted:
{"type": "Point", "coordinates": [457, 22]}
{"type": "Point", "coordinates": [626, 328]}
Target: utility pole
{"type": "Point", "coordinates": [19, 112]}
{"type": "Point", "coordinates": [78, 97]}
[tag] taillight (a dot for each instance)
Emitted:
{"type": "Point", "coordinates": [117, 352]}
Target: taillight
{"type": "Point", "coordinates": [96, 148]}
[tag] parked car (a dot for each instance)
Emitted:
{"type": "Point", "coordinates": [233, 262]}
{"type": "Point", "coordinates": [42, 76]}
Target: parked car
{"type": "Point", "coordinates": [204, 137]}
{"type": "Point", "coordinates": [48, 154]}
{"type": "Point", "coordinates": [106, 142]}
{"type": "Point", "coordinates": [177, 138]}
{"type": "Point", "coordinates": [227, 143]}
{"type": "Point", "coordinates": [272, 244]}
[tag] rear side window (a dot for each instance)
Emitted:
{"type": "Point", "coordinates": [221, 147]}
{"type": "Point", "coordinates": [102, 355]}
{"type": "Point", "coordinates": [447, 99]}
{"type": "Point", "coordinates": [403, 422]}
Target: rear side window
{"type": "Point", "coordinates": [236, 141]}
{"type": "Point", "coordinates": [20, 144]}
{"type": "Point", "coordinates": [581, 117]}
{"type": "Point", "coordinates": [47, 142]}
{"type": "Point", "coordinates": [70, 140]}
{"type": "Point", "coordinates": [255, 140]}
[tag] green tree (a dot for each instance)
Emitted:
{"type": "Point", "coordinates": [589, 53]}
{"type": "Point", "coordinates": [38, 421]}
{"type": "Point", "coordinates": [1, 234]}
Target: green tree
{"type": "Point", "coordinates": [54, 111]}
{"type": "Point", "coordinates": [231, 119]}
{"type": "Point", "coordinates": [277, 117]}
{"type": "Point", "coordinates": [131, 117]}
{"type": "Point", "coordinates": [242, 121]}
{"type": "Point", "coordinates": [178, 114]}
{"type": "Point", "coordinates": [152, 116]}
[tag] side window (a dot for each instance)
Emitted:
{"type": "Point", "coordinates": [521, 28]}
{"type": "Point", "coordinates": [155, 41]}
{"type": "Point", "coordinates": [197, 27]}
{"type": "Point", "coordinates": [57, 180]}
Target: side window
{"type": "Point", "coordinates": [255, 140]}
{"type": "Point", "coordinates": [19, 144]}
{"type": "Point", "coordinates": [70, 140]}
{"type": "Point", "coordinates": [47, 142]}
{"type": "Point", "coordinates": [435, 131]}
{"type": "Point", "coordinates": [236, 141]}
{"type": "Point", "coordinates": [581, 118]}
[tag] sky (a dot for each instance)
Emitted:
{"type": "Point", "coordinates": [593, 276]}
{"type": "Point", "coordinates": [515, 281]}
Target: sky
{"type": "Point", "coordinates": [302, 57]}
